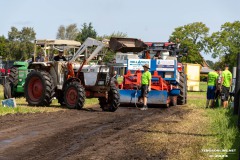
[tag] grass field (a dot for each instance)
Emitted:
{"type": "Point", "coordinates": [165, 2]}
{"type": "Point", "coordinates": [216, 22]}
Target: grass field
{"type": "Point", "coordinates": [219, 124]}
{"type": "Point", "coordinates": [23, 108]}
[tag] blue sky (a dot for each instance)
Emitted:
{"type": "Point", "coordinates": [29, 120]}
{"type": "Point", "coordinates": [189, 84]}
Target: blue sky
{"type": "Point", "coordinates": [149, 20]}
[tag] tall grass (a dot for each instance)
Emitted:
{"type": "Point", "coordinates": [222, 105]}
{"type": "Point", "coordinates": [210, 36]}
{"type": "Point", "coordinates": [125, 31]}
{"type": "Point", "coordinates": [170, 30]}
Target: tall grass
{"type": "Point", "coordinates": [222, 125]}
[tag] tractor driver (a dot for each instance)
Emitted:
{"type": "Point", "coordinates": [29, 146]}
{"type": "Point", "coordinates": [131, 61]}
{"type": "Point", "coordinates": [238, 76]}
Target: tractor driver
{"type": "Point", "coordinates": [40, 57]}
{"type": "Point", "coordinates": [60, 56]}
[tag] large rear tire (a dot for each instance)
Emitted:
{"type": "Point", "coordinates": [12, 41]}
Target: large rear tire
{"type": "Point", "coordinates": [7, 90]}
{"type": "Point", "coordinates": [11, 83]}
{"type": "Point", "coordinates": [74, 95]}
{"type": "Point", "coordinates": [182, 98]}
{"type": "Point", "coordinates": [39, 88]}
{"type": "Point", "coordinates": [13, 76]}
{"type": "Point", "coordinates": [111, 103]}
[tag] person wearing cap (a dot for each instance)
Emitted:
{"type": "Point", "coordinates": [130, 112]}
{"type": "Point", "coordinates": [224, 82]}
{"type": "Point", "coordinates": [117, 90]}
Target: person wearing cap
{"type": "Point", "coordinates": [60, 56]}
{"type": "Point", "coordinates": [40, 57]}
{"type": "Point", "coordinates": [211, 88]}
{"type": "Point", "coordinates": [146, 85]}
{"type": "Point", "coordinates": [225, 84]}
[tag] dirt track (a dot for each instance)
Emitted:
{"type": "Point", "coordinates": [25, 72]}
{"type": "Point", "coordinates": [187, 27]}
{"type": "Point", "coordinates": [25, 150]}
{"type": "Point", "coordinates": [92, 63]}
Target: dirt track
{"type": "Point", "coordinates": [127, 133]}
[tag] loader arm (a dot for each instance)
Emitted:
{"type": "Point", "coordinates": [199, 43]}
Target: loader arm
{"type": "Point", "coordinates": [89, 42]}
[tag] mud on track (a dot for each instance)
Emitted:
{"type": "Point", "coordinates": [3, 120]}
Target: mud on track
{"type": "Point", "coordinates": [93, 134]}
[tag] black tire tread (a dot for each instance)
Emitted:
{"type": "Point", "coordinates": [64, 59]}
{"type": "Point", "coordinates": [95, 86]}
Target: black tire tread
{"type": "Point", "coordinates": [7, 90]}
{"type": "Point", "coordinates": [13, 76]}
{"type": "Point", "coordinates": [47, 96]}
{"type": "Point", "coordinates": [182, 98]}
{"type": "Point", "coordinates": [81, 95]}
{"type": "Point", "coordinates": [111, 103]}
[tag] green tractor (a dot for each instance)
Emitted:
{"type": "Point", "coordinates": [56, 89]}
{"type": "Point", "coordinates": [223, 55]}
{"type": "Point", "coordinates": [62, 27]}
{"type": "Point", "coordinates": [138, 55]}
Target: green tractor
{"type": "Point", "coordinates": [14, 84]}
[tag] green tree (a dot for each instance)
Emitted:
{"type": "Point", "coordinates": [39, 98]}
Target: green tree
{"type": "Point", "coordinates": [20, 44]}
{"type": "Point", "coordinates": [3, 46]}
{"type": "Point", "coordinates": [192, 36]}
{"type": "Point", "coordinates": [85, 32]}
{"type": "Point", "coordinates": [226, 43]}
{"type": "Point", "coordinates": [14, 34]}
{"type": "Point", "coordinates": [69, 32]}
{"type": "Point", "coordinates": [210, 63]}
{"type": "Point", "coordinates": [61, 32]}
{"type": "Point", "coordinates": [27, 34]}
{"type": "Point", "coordinates": [114, 34]}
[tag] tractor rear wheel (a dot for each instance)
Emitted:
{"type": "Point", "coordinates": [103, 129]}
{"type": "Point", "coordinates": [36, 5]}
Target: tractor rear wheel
{"type": "Point", "coordinates": [13, 76]}
{"type": "Point", "coordinates": [74, 95]}
{"type": "Point", "coordinates": [12, 82]}
{"type": "Point", "coordinates": [39, 88]}
{"type": "Point", "coordinates": [7, 90]}
{"type": "Point", "coordinates": [182, 98]}
{"type": "Point", "coordinates": [110, 103]}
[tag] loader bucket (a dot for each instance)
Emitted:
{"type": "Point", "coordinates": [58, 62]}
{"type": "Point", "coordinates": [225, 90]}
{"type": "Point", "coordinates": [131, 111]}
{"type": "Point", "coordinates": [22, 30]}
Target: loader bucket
{"type": "Point", "coordinates": [125, 45]}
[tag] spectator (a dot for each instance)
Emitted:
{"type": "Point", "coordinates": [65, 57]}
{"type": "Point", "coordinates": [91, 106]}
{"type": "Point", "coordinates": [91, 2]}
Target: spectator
{"type": "Point", "coordinates": [60, 56]}
{"type": "Point", "coordinates": [218, 87]}
{"type": "Point", "coordinates": [146, 86]}
{"type": "Point", "coordinates": [211, 89]}
{"type": "Point", "coordinates": [39, 58]}
{"type": "Point", "coordinates": [226, 82]}
{"type": "Point", "coordinates": [157, 55]}
{"type": "Point", "coordinates": [147, 55]}
{"type": "Point", "coordinates": [115, 75]}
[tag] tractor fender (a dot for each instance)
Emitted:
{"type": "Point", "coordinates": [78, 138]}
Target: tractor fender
{"type": "Point", "coordinates": [39, 65]}
{"type": "Point", "coordinates": [71, 80]}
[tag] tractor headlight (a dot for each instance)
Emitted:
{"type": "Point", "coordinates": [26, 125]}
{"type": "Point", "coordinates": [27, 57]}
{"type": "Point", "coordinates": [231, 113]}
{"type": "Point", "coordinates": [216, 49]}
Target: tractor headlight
{"type": "Point", "coordinates": [100, 83]}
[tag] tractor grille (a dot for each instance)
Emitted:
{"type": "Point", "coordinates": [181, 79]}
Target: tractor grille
{"type": "Point", "coordinates": [102, 79]}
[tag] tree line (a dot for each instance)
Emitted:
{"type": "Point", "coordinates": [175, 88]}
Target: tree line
{"type": "Point", "coordinates": [223, 44]}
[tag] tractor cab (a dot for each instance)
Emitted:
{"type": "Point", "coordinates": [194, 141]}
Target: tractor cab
{"type": "Point", "coordinates": [166, 49]}
{"type": "Point", "coordinates": [49, 48]}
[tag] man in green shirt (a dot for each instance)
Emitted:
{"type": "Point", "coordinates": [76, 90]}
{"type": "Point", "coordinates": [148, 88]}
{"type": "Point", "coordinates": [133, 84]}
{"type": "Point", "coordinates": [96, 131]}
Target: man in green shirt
{"type": "Point", "coordinates": [212, 82]}
{"type": "Point", "coordinates": [146, 85]}
{"type": "Point", "coordinates": [226, 84]}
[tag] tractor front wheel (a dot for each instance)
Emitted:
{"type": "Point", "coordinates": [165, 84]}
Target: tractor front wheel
{"type": "Point", "coordinates": [110, 103]}
{"type": "Point", "coordinates": [74, 95]}
{"type": "Point", "coordinates": [182, 98]}
{"type": "Point", "coordinates": [39, 88]}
